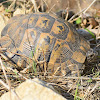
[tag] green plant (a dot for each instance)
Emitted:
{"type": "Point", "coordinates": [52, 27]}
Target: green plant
{"type": "Point", "coordinates": [76, 91]}
{"type": "Point", "coordinates": [7, 10]}
{"type": "Point", "coordinates": [90, 33]}
{"type": "Point", "coordinates": [78, 21]}
{"type": "Point", "coordinates": [34, 62]}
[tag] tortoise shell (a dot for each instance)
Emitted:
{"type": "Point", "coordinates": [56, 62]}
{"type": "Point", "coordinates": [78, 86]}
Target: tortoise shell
{"type": "Point", "coordinates": [47, 38]}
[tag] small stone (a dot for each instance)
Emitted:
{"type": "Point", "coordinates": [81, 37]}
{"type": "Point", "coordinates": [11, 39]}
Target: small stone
{"type": "Point", "coordinates": [33, 90]}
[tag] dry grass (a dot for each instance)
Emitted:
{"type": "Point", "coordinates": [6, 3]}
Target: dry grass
{"type": "Point", "coordinates": [83, 87]}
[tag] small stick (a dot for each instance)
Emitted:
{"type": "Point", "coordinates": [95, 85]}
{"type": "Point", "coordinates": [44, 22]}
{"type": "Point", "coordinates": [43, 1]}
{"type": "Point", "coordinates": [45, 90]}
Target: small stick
{"type": "Point", "coordinates": [3, 68]}
{"type": "Point", "coordinates": [84, 11]}
{"type": "Point", "coordinates": [13, 92]}
{"type": "Point", "coordinates": [89, 6]}
{"type": "Point", "coordinates": [35, 6]}
{"type": "Point", "coordinates": [70, 77]}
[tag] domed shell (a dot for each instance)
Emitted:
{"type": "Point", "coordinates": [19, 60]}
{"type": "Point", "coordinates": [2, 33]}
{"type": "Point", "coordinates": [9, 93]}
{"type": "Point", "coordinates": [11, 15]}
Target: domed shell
{"type": "Point", "coordinates": [47, 38]}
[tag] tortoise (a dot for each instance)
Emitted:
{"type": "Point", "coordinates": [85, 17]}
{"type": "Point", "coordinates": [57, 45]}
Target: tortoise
{"type": "Point", "coordinates": [45, 38]}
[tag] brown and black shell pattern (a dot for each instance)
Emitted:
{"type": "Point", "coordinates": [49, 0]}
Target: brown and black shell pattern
{"type": "Point", "coordinates": [47, 38]}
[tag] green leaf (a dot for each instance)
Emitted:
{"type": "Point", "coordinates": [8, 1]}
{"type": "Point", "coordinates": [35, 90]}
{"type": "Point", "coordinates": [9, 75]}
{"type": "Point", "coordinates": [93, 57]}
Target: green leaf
{"type": "Point", "coordinates": [34, 63]}
{"type": "Point", "coordinates": [90, 33]}
{"type": "Point", "coordinates": [98, 56]}
{"type": "Point", "coordinates": [7, 10]}
{"type": "Point", "coordinates": [76, 91]}
{"type": "Point", "coordinates": [97, 74]}
{"type": "Point", "coordinates": [78, 21]}
{"type": "Point", "coordinates": [90, 80]}
{"type": "Point", "coordinates": [34, 66]}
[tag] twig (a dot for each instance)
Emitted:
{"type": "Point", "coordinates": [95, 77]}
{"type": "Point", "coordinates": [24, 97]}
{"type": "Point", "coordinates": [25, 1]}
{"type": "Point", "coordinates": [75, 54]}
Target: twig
{"type": "Point", "coordinates": [17, 73]}
{"type": "Point", "coordinates": [84, 11]}
{"type": "Point", "coordinates": [35, 5]}
{"type": "Point", "coordinates": [69, 77]}
{"type": "Point", "coordinates": [3, 2]}
{"type": "Point", "coordinates": [12, 5]}
{"type": "Point", "coordinates": [7, 86]}
{"type": "Point", "coordinates": [52, 7]}
{"type": "Point", "coordinates": [3, 68]}
{"type": "Point", "coordinates": [4, 84]}
{"type": "Point", "coordinates": [89, 6]}
{"type": "Point", "coordinates": [89, 91]}
{"type": "Point", "coordinates": [14, 93]}
{"type": "Point", "coordinates": [76, 15]}
{"type": "Point", "coordinates": [96, 85]}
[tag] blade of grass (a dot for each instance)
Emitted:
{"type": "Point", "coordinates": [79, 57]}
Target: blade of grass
{"type": "Point", "coordinates": [90, 33]}
{"type": "Point", "coordinates": [76, 91]}
{"type": "Point", "coordinates": [34, 63]}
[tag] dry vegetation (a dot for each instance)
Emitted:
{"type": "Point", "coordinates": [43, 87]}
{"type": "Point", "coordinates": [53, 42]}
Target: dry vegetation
{"type": "Point", "coordinates": [85, 15]}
